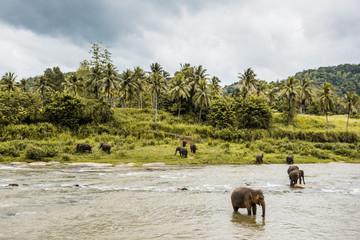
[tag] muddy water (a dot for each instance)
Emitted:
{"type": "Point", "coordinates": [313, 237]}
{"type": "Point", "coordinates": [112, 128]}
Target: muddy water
{"type": "Point", "coordinates": [134, 203]}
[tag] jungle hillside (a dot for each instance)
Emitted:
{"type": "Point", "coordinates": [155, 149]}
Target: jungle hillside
{"type": "Point", "coordinates": [144, 114]}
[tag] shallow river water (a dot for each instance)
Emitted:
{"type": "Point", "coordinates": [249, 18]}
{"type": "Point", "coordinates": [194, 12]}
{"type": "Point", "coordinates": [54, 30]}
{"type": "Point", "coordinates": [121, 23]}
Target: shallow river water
{"type": "Point", "coordinates": [60, 202]}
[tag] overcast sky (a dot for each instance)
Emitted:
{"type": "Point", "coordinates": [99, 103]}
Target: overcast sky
{"type": "Point", "coordinates": [275, 38]}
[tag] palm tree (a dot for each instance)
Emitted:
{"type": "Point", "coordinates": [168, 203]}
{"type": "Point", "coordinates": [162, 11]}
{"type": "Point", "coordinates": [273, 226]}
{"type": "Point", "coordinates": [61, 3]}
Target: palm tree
{"type": "Point", "coordinates": [8, 81]}
{"type": "Point", "coordinates": [109, 82]}
{"type": "Point", "coordinates": [94, 81]}
{"type": "Point", "coordinates": [351, 101]}
{"type": "Point", "coordinates": [214, 86]}
{"type": "Point", "coordinates": [179, 89]}
{"type": "Point", "coordinates": [247, 81]}
{"type": "Point", "coordinates": [42, 86]}
{"type": "Point", "coordinates": [157, 84]}
{"type": "Point", "coordinates": [289, 91]}
{"type": "Point", "coordinates": [24, 85]}
{"type": "Point", "coordinates": [202, 96]}
{"type": "Point", "coordinates": [306, 92]}
{"type": "Point", "coordinates": [261, 87]}
{"type": "Point", "coordinates": [139, 78]}
{"type": "Point", "coordinates": [327, 100]}
{"type": "Point", "coordinates": [199, 74]}
{"type": "Point", "coordinates": [128, 85]}
{"type": "Point", "coordinates": [72, 84]}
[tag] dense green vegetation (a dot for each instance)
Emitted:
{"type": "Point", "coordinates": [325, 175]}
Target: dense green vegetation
{"type": "Point", "coordinates": [143, 115]}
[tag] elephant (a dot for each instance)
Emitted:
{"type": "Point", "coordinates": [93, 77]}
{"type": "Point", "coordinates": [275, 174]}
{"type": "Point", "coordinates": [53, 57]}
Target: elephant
{"type": "Point", "coordinates": [184, 142]}
{"type": "Point", "coordinates": [244, 197]}
{"type": "Point", "coordinates": [295, 175]}
{"type": "Point", "coordinates": [259, 158]}
{"type": "Point", "coordinates": [105, 147]}
{"type": "Point", "coordinates": [82, 147]}
{"type": "Point", "coordinates": [290, 159]}
{"type": "Point", "coordinates": [292, 168]}
{"type": "Point", "coordinates": [193, 147]}
{"type": "Point", "coordinates": [183, 151]}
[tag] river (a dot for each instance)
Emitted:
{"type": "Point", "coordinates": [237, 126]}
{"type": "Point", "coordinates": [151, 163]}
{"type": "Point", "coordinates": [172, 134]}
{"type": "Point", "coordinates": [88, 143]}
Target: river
{"type": "Point", "coordinates": [62, 202]}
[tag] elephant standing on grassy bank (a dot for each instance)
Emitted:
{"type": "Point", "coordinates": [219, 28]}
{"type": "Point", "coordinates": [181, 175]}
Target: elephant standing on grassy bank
{"type": "Point", "coordinates": [192, 147]}
{"type": "Point", "coordinates": [259, 158]}
{"type": "Point", "coordinates": [183, 151]}
{"type": "Point", "coordinates": [105, 147]}
{"type": "Point", "coordinates": [82, 147]}
{"type": "Point", "coordinates": [243, 197]}
{"type": "Point", "coordinates": [184, 143]}
{"type": "Point", "coordinates": [290, 159]}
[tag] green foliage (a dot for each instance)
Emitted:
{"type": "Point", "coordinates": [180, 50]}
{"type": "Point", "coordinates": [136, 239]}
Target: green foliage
{"type": "Point", "coordinates": [345, 77]}
{"type": "Point", "coordinates": [19, 107]}
{"type": "Point", "coordinates": [221, 113]}
{"type": "Point", "coordinates": [254, 113]}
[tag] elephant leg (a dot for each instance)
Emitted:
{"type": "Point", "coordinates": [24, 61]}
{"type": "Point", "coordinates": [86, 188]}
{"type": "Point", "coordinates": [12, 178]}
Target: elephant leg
{"type": "Point", "coordinates": [254, 209]}
{"type": "Point", "coordinates": [249, 210]}
{"type": "Point", "coordinates": [300, 179]}
{"type": "Point", "coordinates": [235, 208]}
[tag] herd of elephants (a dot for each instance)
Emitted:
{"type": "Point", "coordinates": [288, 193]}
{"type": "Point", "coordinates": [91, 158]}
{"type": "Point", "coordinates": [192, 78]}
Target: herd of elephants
{"type": "Point", "coordinates": [241, 197]}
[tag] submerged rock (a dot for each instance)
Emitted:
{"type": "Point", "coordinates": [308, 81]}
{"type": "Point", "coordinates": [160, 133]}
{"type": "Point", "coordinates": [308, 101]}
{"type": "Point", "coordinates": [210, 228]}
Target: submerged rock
{"type": "Point", "coordinates": [13, 185]}
{"type": "Point", "coordinates": [182, 188]}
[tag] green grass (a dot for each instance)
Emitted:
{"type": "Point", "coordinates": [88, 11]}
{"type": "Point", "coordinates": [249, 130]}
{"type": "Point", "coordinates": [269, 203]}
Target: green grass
{"type": "Point", "coordinates": [133, 139]}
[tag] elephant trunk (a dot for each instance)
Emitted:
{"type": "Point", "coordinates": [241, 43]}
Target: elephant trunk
{"type": "Point", "coordinates": [263, 207]}
{"type": "Point", "coordinates": [303, 179]}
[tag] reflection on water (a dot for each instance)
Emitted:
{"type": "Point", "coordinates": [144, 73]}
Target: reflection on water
{"type": "Point", "coordinates": [133, 203]}
{"type": "Point", "coordinates": [248, 221]}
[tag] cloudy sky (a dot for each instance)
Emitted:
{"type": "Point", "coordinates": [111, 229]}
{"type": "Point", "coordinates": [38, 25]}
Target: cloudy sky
{"type": "Point", "coordinates": [275, 38]}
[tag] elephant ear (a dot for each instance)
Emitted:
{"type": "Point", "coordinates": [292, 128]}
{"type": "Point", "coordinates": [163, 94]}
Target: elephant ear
{"type": "Point", "coordinates": [254, 196]}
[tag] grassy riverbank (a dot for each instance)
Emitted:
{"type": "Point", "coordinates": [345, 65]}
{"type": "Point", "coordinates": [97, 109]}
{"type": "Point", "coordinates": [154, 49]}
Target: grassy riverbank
{"type": "Point", "coordinates": [133, 140]}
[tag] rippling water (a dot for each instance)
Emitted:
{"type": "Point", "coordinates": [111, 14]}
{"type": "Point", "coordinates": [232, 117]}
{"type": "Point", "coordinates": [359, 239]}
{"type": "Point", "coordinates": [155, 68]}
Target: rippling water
{"type": "Point", "coordinates": [133, 203]}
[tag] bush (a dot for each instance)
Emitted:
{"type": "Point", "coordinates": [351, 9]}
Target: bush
{"type": "Point", "coordinates": [8, 150]}
{"type": "Point", "coordinates": [34, 153]}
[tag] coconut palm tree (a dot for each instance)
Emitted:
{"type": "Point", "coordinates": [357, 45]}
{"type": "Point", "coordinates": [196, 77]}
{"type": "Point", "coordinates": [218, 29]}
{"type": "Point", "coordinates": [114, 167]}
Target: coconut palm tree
{"type": "Point", "coordinates": [24, 85]}
{"type": "Point", "coordinates": [179, 89]}
{"type": "Point", "coordinates": [42, 86]}
{"type": "Point", "coordinates": [214, 86]}
{"type": "Point", "coordinates": [306, 92]}
{"type": "Point", "coordinates": [327, 100]}
{"type": "Point", "coordinates": [93, 83]}
{"type": "Point", "coordinates": [8, 81]}
{"type": "Point", "coordinates": [128, 85]}
{"type": "Point", "coordinates": [72, 84]}
{"type": "Point", "coordinates": [290, 91]}
{"type": "Point", "coordinates": [157, 84]}
{"type": "Point", "coordinates": [109, 82]}
{"type": "Point", "coordinates": [139, 78]}
{"type": "Point", "coordinates": [247, 81]}
{"type": "Point", "coordinates": [351, 101]}
{"type": "Point", "coordinates": [202, 96]}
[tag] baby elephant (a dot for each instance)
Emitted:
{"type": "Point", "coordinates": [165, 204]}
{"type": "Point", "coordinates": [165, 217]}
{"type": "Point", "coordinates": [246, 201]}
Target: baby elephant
{"type": "Point", "coordinates": [295, 175]}
{"type": "Point", "coordinates": [244, 197]}
{"type": "Point", "coordinates": [105, 147]}
{"type": "Point", "coordinates": [183, 151]}
{"type": "Point", "coordinates": [292, 168]}
{"type": "Point", "coordinates": [184, 143]}
{"type": "Point", "coordinates": [290, 159]}
{"type": "Point", "coordinates": [82, 147]}
{"type": "Point", "coordinates": [193, 147]}
{"type": "Point", "coordinates": [259, 158]}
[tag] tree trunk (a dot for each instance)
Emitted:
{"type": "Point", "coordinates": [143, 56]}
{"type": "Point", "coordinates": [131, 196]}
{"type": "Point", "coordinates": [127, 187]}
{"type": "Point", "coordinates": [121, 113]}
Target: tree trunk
{"type": "Point", "coordinates": [179, 108]}
{"type": "Point", "coordinates": [200, 114]}
{"type": "Point", "coordinates": [156, 110]}
{"type": "Point", "coordinates": [327, 121]}
{"type": "Point", "coordinates": [347, 122]}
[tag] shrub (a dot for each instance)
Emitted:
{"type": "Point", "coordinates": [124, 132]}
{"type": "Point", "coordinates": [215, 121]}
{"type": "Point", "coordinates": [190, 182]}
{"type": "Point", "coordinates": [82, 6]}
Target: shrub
{"type": "Point", "coordinates": [8, 150]}
{"type": "Point", "coordinates": [34, 153]}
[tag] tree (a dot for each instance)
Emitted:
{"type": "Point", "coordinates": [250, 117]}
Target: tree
{"type": "Point", "coordinates": [8, 81]}
{"type": "Point", "coordinates": [202, 96]}
{"type": "Point", "coordinates": [179, 89]}
{"type": "Point", "coordinates": [214, 86]}
{"type": "Point", "coordinates": [351, 101]}
{"type": "Point", "coordinates": [24, 85]}
{"type": "Point", "coordinates": [42, 86]}
{"type": "Point", "coordinates": [289, 92]}
{"type": "Point", "coordinates": [247, 81]}
{"type": "Point", "coordinates": [55, 78]}
{"type": "Point", "coordinates": [109, 82]}
{"type": "Point", "coordinates": [128, 85]}
{"type": "Point", "coordinates": [327, 100]}
{"type": "Point", "coordinates": [221, 113]}
{"type": "Point", "coordinates": [93, 83]}
{"type": "Point", "coordinates": [157, 84]}
{"type": "Point", "coordinates": [139, 78]}
{"type": "Point", "coordinates": [306, 92]}
{"type": "Point", "coordinates": [72, 84]}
